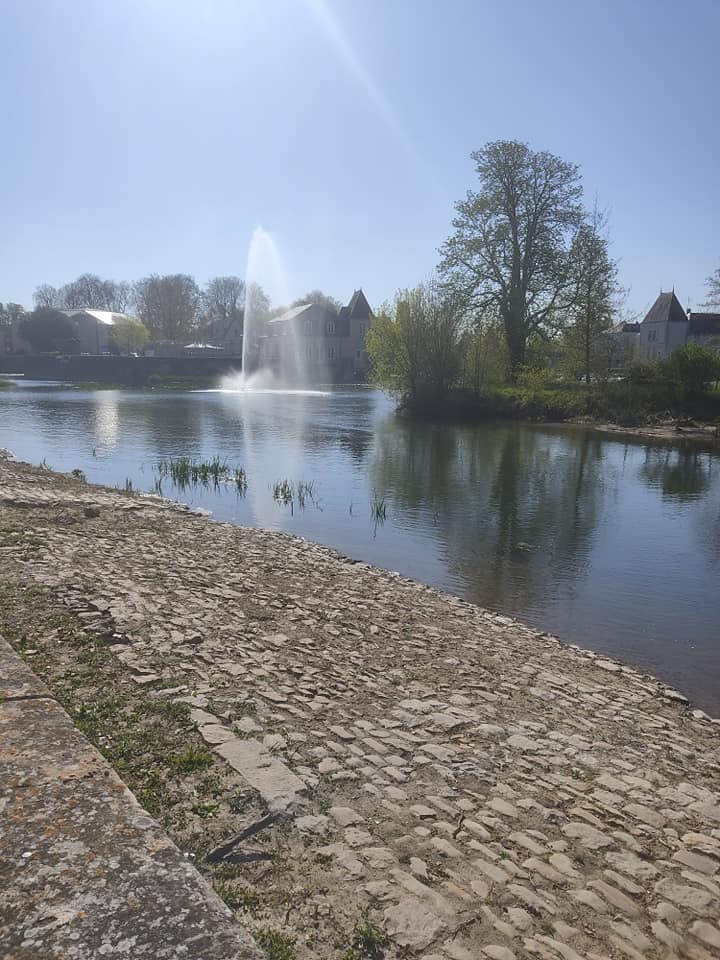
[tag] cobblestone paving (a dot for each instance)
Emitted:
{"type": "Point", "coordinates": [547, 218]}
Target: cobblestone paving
{"type": "Point", "coordinates": [494, 793]}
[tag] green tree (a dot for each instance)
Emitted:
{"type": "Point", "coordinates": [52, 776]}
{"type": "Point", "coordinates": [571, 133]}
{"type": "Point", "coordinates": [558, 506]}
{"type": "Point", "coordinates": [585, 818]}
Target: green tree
{"type": "Point", "coordinates": [693, 368]}
{"type": "Point", "coordinates": [593, 297]}
{"type": "Point", "coordinates": [168, 305]}
{"type": "Point", "coordinates": [48, 330]}
{"type": "Point", "coordinates": [713, 285]}
{"type": "Point", "coordinates": [415, 345]}
{"type": "Point", "coordinates": [510, 250]}
{"type": "Point", "coordinates": [129, 335]}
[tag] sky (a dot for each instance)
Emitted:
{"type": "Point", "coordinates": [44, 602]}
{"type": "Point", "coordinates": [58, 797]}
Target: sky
{"type": "Point", "coordinates": [153, 136]}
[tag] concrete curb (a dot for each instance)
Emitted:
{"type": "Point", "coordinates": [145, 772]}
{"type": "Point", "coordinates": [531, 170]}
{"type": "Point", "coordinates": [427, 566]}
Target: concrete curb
{"type": "Point", "coordinates": [86, 873]}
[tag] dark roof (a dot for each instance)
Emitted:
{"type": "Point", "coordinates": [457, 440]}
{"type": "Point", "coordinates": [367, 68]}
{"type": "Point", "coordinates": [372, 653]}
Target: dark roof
{"type": "Point", "coordinates": [666, 309]}
{"type": "Point", "coordinates": [631, 328]}
{"type": "Point", "coordinates": [358, 306]}
{"type": "Point", "coordinates": [704, 323]}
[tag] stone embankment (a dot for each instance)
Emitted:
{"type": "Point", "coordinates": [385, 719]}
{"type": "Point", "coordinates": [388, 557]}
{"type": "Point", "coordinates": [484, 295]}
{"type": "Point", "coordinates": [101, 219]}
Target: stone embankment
{"type": "Point", "coordinates": [464, 785]}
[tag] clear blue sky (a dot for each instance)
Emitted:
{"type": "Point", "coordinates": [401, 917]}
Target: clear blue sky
{"type": "Point", "coordinates": [153, 135]}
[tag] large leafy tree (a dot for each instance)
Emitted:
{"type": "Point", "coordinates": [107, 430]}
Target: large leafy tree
{"type": "Point", "coordinates": [168, 305]}
{"type": "Point", "coordinates": [511, 247]}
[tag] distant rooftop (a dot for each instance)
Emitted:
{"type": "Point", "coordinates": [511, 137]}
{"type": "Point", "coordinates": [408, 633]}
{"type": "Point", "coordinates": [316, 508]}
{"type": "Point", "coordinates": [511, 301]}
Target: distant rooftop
{"type": "Point", "coordinates": [704, 323]}
{"type": "Point", "coordinates": [666, 309]}
{"type": "Point", "coordinates": [106, 317]}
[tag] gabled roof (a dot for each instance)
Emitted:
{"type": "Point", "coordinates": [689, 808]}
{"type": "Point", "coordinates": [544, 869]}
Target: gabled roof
{"type": "Point", "coordinates": [666, 309]}
{"type": "Point", "coordinates": [292, 313]}
{"type": "Point", "coordinates": [358, 306]}
{"type": "Point", "coordinates": [704, 323]}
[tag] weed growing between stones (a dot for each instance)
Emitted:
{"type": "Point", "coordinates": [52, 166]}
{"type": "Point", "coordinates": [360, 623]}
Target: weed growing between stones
{"type": "Point", "coordinates": [368, 943]}
{"type": "Point", "coordinates": [275, 944]}
{"type": "Point", "coordinates": [237, 898]}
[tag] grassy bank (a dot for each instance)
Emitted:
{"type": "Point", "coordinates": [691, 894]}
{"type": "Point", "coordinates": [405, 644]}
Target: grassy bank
{"type": "Point", "coordinates": [625, 403]}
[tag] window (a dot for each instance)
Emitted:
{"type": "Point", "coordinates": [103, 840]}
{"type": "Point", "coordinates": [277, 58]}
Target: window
{"type": "Point", "coordinates": [358, 354]}
{"type": "Point", "coordinates": [361, 328]}
{"type": "Point", "coordinates": [330, 326]}
{"type": "Point", "coordinates": [307, 327]}
{"type": "Point", "coordinates": [331, 353]}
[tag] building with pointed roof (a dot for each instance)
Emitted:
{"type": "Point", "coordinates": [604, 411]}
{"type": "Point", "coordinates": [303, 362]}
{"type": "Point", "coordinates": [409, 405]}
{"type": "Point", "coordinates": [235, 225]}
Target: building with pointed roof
{"type": "Point", "coordinates": [315, 343]}
{"type": "Point", "coordinates": [667, 326]}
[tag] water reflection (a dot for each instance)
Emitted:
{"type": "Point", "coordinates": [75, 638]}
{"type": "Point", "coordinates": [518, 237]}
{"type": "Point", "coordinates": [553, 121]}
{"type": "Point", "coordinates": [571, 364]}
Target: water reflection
{"type": "Point", "coordinates": [681, 474]}
{"type": "Point", "coordinates": [107, 419]}
{"type": "Point", "coordinates": [514, 511]}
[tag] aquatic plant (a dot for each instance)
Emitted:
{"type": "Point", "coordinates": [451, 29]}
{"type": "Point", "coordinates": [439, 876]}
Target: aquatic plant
{"type": "Point", "coordinates": [305, 491]}
{"type": "Point", "coordinates": [283, 492]}
{"type": "Point", "coordinates": [378, 508]}
{"type": "Point", "coordinates": [187, 472]}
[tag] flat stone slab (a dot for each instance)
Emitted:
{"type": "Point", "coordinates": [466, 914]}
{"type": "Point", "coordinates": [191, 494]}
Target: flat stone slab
{"type": "Point", "coordinates": [279, 787]}
{"type": "Point", "coordinates": [85, 872]}
{"type": "Point", "coordinates": [16, 680]}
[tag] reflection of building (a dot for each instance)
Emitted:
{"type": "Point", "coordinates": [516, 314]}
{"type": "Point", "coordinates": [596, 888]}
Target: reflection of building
{"type": "Point", "coordinates": [666, 327]}
{"type": "Point", "coordinates": [322, 342]}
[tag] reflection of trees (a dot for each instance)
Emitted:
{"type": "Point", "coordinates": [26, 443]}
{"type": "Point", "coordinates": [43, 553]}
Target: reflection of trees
{"type": "Point", "coordinates": [516, 508]}
{"type": "Point", "coordinates": [681, 473]}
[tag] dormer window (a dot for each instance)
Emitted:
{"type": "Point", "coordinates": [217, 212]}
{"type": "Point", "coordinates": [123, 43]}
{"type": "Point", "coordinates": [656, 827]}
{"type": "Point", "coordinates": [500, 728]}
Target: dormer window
{"type": "Point", "coordinates": [330, 326]}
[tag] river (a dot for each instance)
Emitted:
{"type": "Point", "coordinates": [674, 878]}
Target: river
{"type": "Point", "coordinates": [610, 543]}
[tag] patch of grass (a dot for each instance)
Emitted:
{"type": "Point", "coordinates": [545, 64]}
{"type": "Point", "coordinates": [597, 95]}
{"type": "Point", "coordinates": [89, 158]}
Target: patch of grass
{"type": "Point", "coordinates": [205, 810]}
{"type": "Point", "coordinates": [368, 943]}
{"type": "Point", "coordinates": [237, 898]}
{"type": "Point", "coordinates": [191, 759]}
{"type": "Point", "coordinates": [238, 803]}
{"type": "Point", "coordinates": [275, 944]}
{"type": "Point", "coordinates": [7, 385]}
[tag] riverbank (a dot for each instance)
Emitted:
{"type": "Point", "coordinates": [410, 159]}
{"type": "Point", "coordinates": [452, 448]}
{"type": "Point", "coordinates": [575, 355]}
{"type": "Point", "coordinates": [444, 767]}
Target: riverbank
{"type": "Point", "coordinates": [617, 407]}
{"type": "Point", "coordinates": [449, 779]}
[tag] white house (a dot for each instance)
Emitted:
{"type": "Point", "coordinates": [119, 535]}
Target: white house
{"type": "Point", "coordinates": [667, 326]}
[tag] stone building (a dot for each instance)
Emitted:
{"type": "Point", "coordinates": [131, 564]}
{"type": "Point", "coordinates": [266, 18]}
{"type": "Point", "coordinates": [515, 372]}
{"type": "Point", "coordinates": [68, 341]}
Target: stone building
{"type": "Point", "coordinates": [667, 326]}
{"type": "Point", "coordinates": [314, 343]}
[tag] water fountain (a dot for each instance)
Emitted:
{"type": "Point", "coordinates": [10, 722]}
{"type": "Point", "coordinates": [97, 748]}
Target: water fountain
{"type": "Point", "coordinates": [261, 373]}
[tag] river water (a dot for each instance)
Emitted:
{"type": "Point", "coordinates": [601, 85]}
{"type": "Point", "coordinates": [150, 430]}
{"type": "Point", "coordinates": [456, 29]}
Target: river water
{"type": "Point", "coordinates": [610, 543]}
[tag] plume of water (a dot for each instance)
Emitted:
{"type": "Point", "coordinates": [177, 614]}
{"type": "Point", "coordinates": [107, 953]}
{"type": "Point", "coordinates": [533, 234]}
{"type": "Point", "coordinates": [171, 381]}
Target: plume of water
{"type": "Point", "coordinates": [264, 273]}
